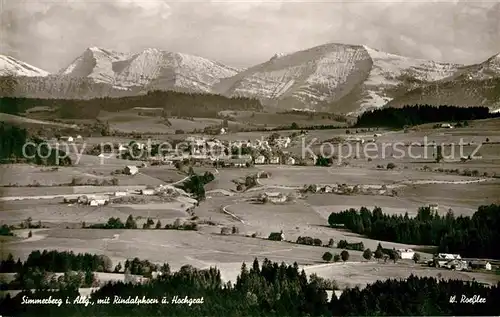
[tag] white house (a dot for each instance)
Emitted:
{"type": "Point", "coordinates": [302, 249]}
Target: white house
{"type": "Point", "coordinates": [406, 253]}
{"type": "Point", "coordinates": [446, 126]}
{"type": "Point", "coordinates": [290, 161]}
{"type": "Point", "coordinates": [66, 138]}
{"type": "Point", "coordinates": [131, 170]}
{"type": "Point", "coordinates": [147, 192]}
{"type": "Point", "coordinates": [260, 159]}
{"type": "Point", "coordinates": [274, 160]}
{"type": "Point", "coordinates": [97, 202]}
{"type": "Point", "coordinates": [222, 131]}
{"type": "Point", "coordinates": [79, 137]}
{"type": "Point", "coordinates": [120, 194]}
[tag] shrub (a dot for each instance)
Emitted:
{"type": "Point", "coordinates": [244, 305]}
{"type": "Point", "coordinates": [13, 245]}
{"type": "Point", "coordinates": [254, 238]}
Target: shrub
{"type": "Point", "coordinates": [367, 254]}
{"type": "Point", "coordinates": [344, 255]}
{"type": "Point", "coordinates": [327, 256]}
{"type": "Point", "coordinates": [336, 258]}
{"type": "Point", "coordinates": [391, 166]}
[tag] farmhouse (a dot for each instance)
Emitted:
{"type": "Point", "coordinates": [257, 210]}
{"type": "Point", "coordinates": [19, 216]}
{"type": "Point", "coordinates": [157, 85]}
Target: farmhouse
{"type": "Point", "coordinates": [434, 207]}
{"type": "Point", "coordinates": [260, 159]}
{"type": "Point", "coordinates": [222, 131]}
{"type": "Point", "coordinates": [290, 161]}
{"type": "Point", "coordinates": [484, 265]}
{"type": "Point", "coordinates": [274, 197]}
{"type": "Point", "coordinates": [446, 126]}
{"type": "Point", "coordinates": [120, 194]}
{"type": "Point", "coordinates": [450, 261]}
{"type": "Point", "coordinates": [274, 160]}
{"type": "Point", "coordinates": [131, 170]}
{"type": "Point", "coordinates": [238, 162]}
{"type": "Point", "coordinates": [147, 192]}
{"type": "Point", "coordinates": [406, 253]}
{"type": "Point", "coordinates": [98, 202]}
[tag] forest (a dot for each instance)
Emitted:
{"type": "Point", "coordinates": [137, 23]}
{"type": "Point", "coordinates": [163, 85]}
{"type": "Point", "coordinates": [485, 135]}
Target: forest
{"type": "Point", "coordinates": [475, 236]}
{"type": "Point", "coordinates": [12, 141]}
{"type": "Point", "coordinates": [263, 289]}
{"type": "Point", "coordinates": [174, 103]}
{"type": "Point", "coordinates": [419, 114]}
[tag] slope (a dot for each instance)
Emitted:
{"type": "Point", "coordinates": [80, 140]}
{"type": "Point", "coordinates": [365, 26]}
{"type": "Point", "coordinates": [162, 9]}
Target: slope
{"type": "Point", "coordinates": [9, 66]}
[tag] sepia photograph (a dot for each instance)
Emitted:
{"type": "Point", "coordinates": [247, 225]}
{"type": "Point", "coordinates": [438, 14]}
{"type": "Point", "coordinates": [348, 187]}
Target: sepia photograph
{"type": "Point", "coordinates": [249, 158]}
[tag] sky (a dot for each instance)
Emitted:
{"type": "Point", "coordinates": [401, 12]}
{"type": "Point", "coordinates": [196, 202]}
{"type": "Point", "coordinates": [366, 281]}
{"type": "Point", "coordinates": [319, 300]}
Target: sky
{"type": "Point", "coordinates": [50, 34]}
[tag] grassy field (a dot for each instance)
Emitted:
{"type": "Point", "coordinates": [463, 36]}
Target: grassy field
{"type": "Point", "coordinates": [363, 273]}
{"type": "Point", "coordinates": [301, 175]}
{"type": "Point", "coordinates": [131, 122]}
{"type": "Point", "coordinates": [272, 120]}
{"type": "Point", "coordinates": [54, 213]}
{"type": "Point", "coordinates": [29, 175]}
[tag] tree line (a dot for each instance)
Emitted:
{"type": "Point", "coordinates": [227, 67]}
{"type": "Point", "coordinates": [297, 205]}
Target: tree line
{"type": "Point", "coordinates": [130, 223]}
{"type": "Point", "coordinates": [474, 236]}
{"type": "Point", "coordinates": [55, 261]}
{"type": "Point", "coordinates": [12, 141]}
{"type": "Point", "coordinates": [176, 104]}
{"type": "Point", "coordinates": [267, 289]}
{"type": "Point", "coordinates": [420, 114]}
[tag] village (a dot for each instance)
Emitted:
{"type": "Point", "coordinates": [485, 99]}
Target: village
{"type": "Point", "coordinates": [265, 200]}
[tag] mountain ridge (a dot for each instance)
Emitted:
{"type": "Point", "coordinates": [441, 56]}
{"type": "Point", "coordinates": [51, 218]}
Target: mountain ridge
{"type": "Point", "coordinates": [334, 77]}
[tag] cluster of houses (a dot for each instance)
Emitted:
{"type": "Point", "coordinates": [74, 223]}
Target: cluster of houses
{"type": "Point", "coordinates": [162, 190]}
{"type": "Point", "coordinates": [273, 197]}
{"type": "Point", "coordinates": [455, 262]}
{"type": "Point", "coordinates": [448, 261]}
{"type": "Point", "coordinates": [344, 189]}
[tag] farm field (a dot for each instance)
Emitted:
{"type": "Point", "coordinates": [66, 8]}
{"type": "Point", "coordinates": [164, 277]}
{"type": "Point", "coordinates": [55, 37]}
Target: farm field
{"type": "Point", "coordinates": [55, 213]}
{"type": "Point", "coordinates": [301, 175]}
{"type": "Point", "coordinates": [271, 120]}
{"type": "Point", "coordinates": [362, 273]}
{"type": "Point", "coordinates": [130, 121]}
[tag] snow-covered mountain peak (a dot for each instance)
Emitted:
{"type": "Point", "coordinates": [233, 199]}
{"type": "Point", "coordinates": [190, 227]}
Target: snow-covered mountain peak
{"type": "Point", "coordinates": [12, 66]}
{"type": "Point", "coordinates": [278, 55]}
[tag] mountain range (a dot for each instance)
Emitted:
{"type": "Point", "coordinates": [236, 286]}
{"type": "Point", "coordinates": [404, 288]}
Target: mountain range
{"type": "Point", "coordinates": [332, 77]}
